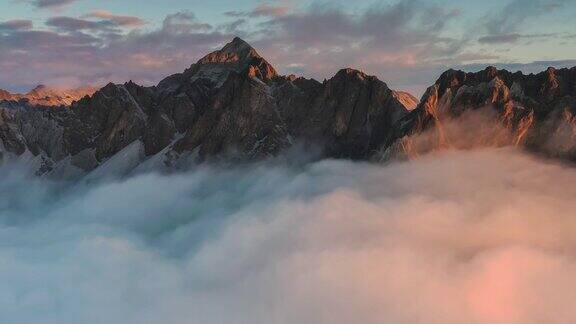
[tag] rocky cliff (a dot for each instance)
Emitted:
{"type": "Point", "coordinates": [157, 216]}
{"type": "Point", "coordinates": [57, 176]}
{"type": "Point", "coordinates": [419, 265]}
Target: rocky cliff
{"type": "Point", "coordinates": [495, 107]}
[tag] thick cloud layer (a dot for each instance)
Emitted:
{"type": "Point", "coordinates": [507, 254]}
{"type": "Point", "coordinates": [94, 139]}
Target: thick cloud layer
{"type": "Point", "coordinates": [483, 236]}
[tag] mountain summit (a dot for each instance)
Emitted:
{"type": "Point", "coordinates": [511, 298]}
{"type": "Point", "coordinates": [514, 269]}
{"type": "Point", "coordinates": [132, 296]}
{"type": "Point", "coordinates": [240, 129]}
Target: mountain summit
{"type": "Point", "coordinates": [236, 56]}
{"type": "Point", "coordinates": [236, 52]}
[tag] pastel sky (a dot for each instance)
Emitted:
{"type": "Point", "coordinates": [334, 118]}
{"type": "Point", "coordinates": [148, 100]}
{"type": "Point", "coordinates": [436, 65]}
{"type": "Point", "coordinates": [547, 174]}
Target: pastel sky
{"type": "Point", "coordinates": [406, 43]}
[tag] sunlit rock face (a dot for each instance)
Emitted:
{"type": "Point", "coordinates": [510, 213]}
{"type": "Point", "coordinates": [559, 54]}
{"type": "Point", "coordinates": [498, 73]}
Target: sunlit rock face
{"type": "Point", "coordinates": [231, 104]}
{"type": "Point", "coordinates": [408, 100]}
{"type": "Point", "coordinates": [536, 111]}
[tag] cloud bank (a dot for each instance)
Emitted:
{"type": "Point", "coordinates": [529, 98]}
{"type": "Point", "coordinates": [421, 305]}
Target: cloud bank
{"type": "Point", "coordinates": [482, 236]}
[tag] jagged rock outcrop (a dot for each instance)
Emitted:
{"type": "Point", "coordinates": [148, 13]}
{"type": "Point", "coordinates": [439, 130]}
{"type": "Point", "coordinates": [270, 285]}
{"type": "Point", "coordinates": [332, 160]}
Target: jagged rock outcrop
{"type": "Point", "coordinates": [407, 99]}
{"type": "Point", "coordinates": [537, 110]}
{"type": "Point", "coordinates": [12, 140]}
{"type": "Point", "coordinates": [231, 103]}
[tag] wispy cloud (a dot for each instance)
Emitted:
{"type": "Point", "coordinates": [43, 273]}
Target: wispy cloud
{"type": "Point", "coordinates": [505, 25]}
{"type": "Point", "coordinates": [52, 4]}
{"type": "Point", "coordinates": [96, 21]}
{"type": "Point", "coordinates": [262, 10]}
{"type": "Point", "coordinates": [119, 20]}
{"type": "Point", "coordinates": [184, 22]}
{"type": "Point", "coordinates": [77, 24]}
{"type": "Point", "coordinates": [16, 24]}
{"type": "Point", "coordinates": [504, 38]}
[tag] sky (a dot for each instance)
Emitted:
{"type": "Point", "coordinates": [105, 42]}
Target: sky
{"type": "Point", "coordinates": [406, 43]}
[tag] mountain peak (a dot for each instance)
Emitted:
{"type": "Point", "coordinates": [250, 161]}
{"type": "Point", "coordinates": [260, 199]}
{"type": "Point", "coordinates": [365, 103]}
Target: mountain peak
{"type": "Point", "coordinates": [40, 87]}
{"type": "Point", "coordinates": [42, 90]}
{"type": "Point", "coordinates": [238, 45]}
{"type": "Point", "coordinates": [351, 72]}
{"type": "Point", "coordinates": [236, 56]}
{"type": "Point", "coordinates": [235, 52]}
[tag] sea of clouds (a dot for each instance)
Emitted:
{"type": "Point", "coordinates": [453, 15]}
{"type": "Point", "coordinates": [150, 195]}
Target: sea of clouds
{"type": "Point", "coordinates": [478, 236]}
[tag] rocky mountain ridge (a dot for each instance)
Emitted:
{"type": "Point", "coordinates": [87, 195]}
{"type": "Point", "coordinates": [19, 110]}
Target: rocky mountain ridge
{"type": "Point", "coordinates": [535, 111]}
{"type": "Point", "coordinates": [232, 104]}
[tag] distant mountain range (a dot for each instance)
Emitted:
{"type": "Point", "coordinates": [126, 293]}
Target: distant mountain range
{"type": "Point", "coordinates": [47, 96]}
{"type": "Point", "coordinates": [232, 104]}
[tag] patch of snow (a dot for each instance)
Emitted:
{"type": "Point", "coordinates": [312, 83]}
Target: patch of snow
{"type": "Point", "coordinates": [65, 170]}
{"type": "Point", "coordinates": [129, 96]}
{"type": "Point", "coordinates": [121, 164]}
{"type": "Point", "coordinates": [161, 160]}
{"type": "Point", "coordinates": [27, 162]}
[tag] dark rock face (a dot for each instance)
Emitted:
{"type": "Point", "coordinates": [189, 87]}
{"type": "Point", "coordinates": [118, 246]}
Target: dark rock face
{"type": "Point", "coordinates": [11, 141]}
{"type": "Point", "coordinates": [351, 114]}
{"type": "Point", "coordinates": [112, 118]}
{"type": "Point", "coordinates": [537, 109]}
{"type": "Point", "coordinates": [231, 103]}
